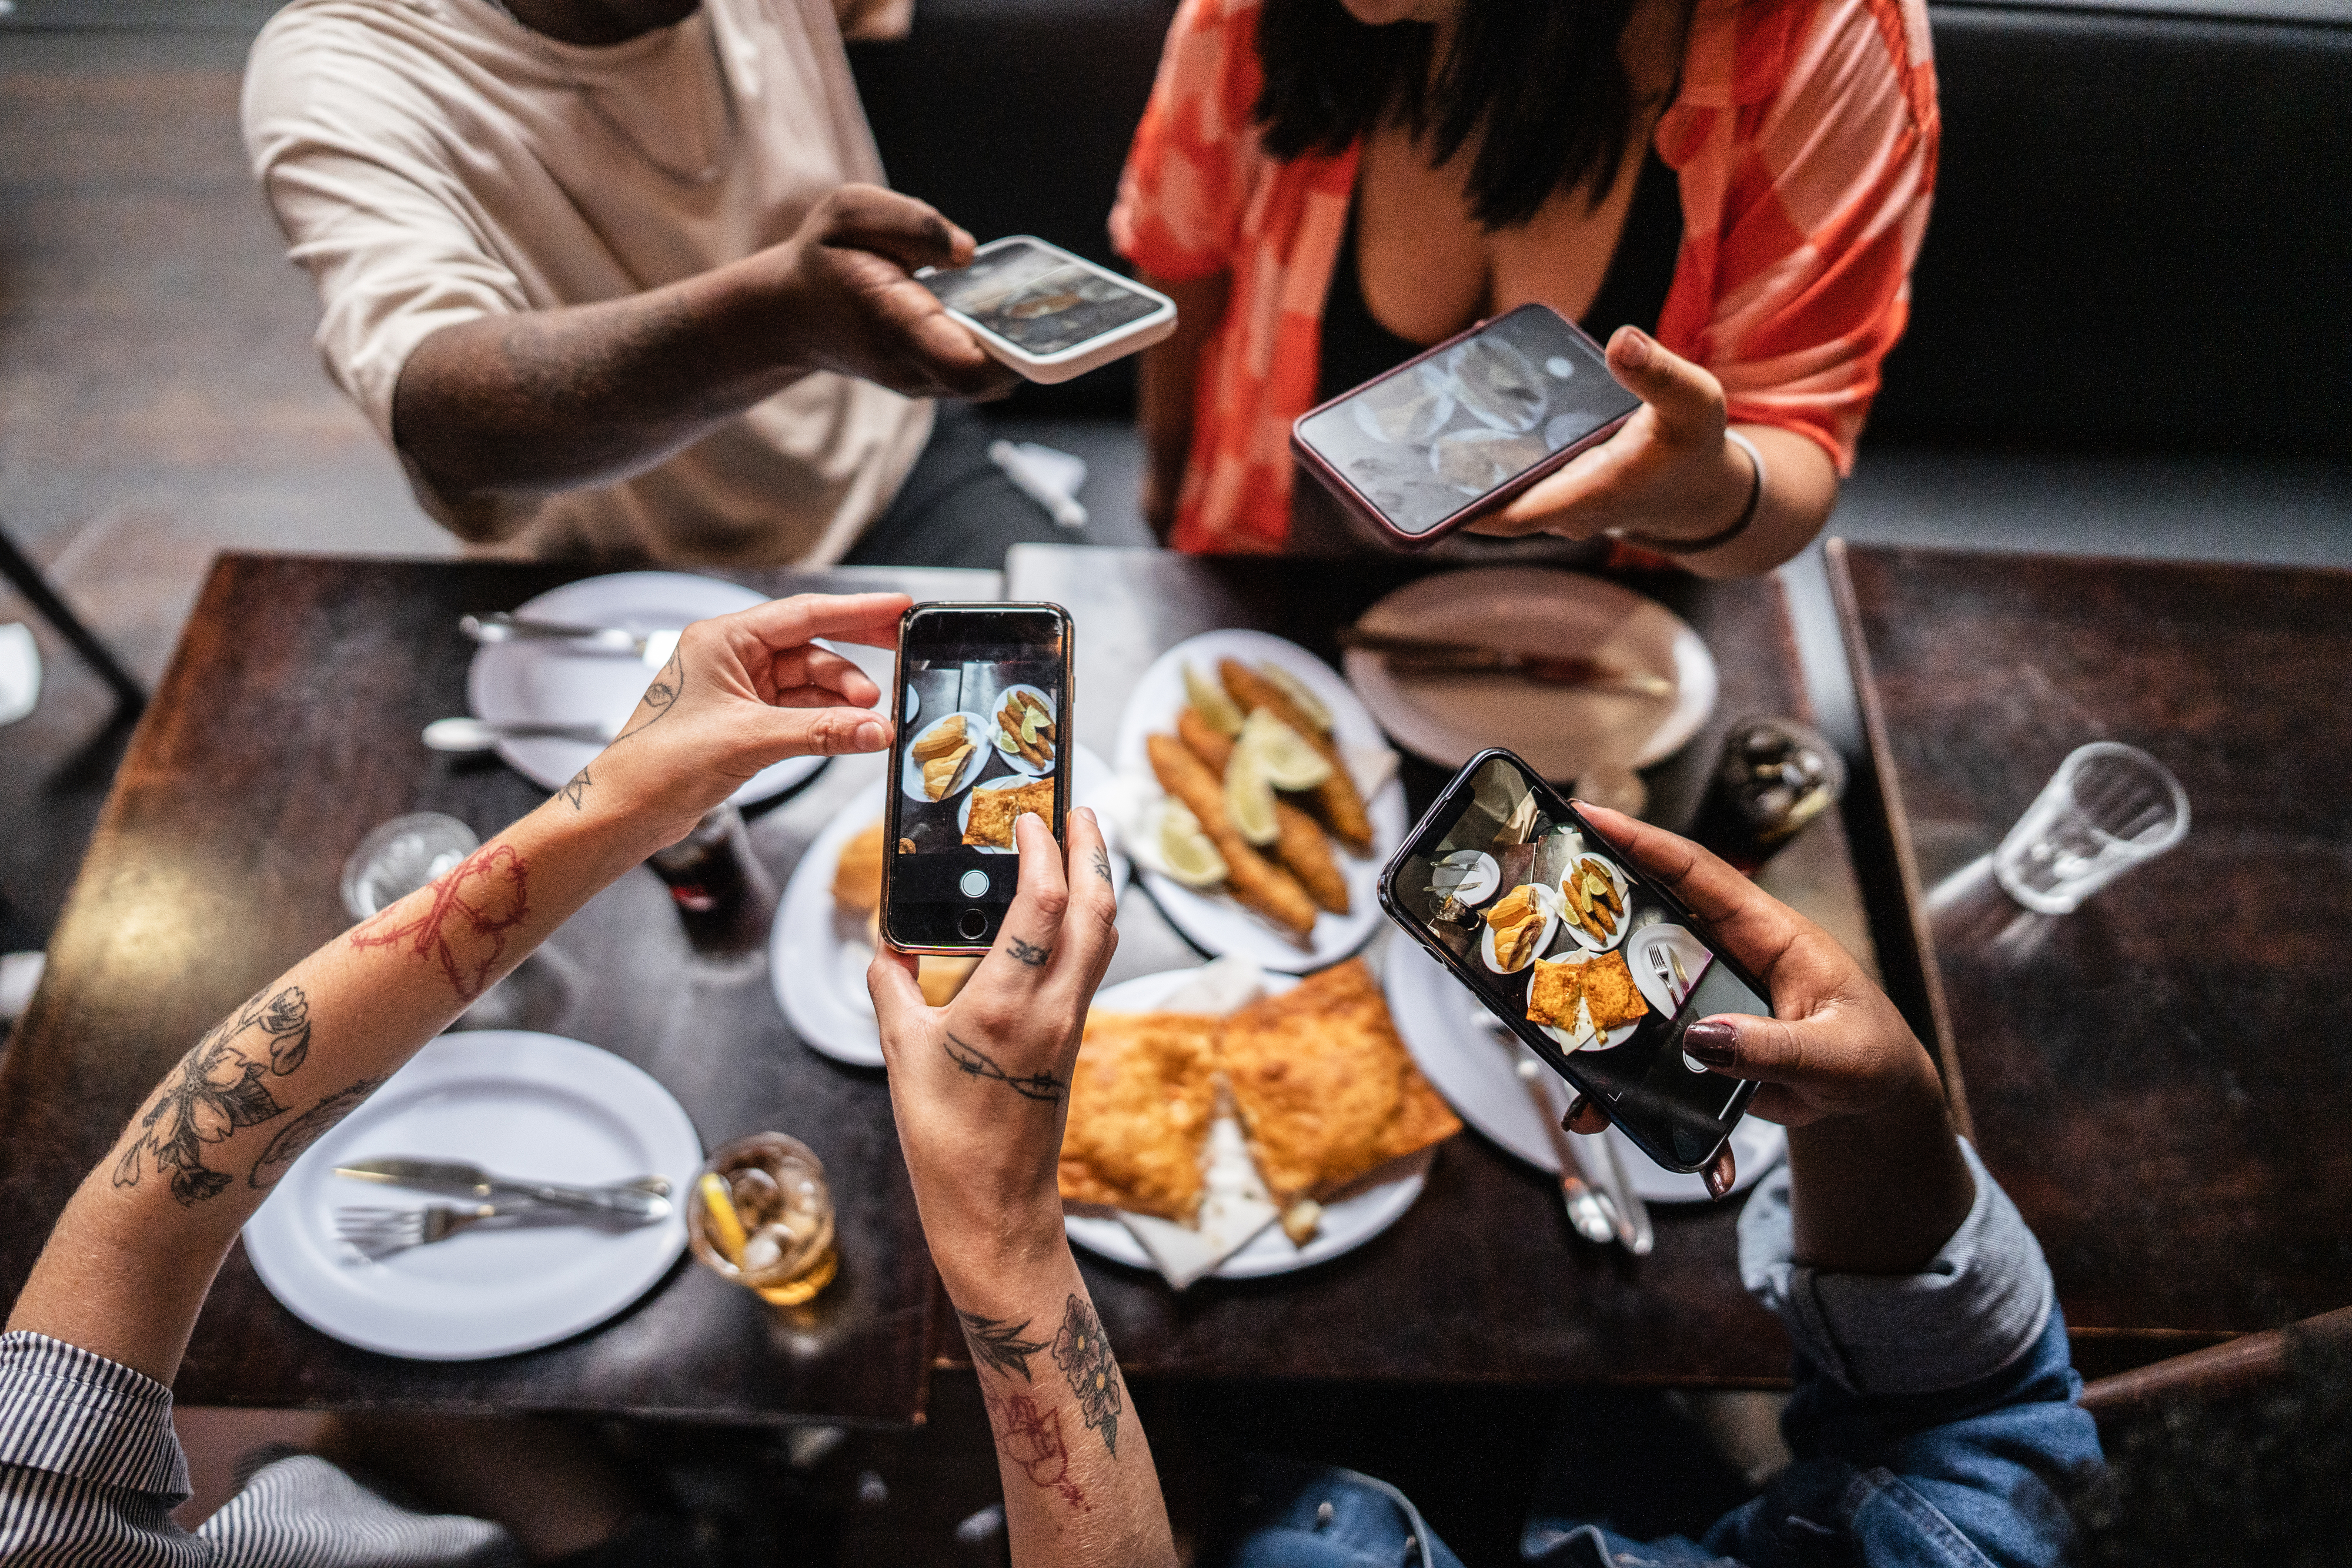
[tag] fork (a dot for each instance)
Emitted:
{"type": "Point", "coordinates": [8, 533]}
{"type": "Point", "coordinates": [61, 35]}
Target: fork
{"type": "Point", "coordinates": [375, 1233]}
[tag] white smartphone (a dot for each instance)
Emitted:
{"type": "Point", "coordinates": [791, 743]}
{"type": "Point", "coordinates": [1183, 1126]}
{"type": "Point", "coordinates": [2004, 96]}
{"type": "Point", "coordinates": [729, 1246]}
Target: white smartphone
{"type": "Point", "coordinates": [1046, 313]}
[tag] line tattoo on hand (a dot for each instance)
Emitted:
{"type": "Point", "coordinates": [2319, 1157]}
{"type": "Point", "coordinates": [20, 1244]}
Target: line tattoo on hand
{"type": "Point", "coordinates": [1029, 953]}
{"type": "Point", "coordinates": [1030, 1436]}
{"type": "Point", "coordinates": [294, 1140]}
{"type": "Point", "coordinates": [1083, 1352]}
{"type": "Point", "coordinates": [1102, 863]}
{"type": "Point", "coordinates": [464, 928]}
{"type": "Point", "coordinates": [668, 685]}
{"type": "Point", "coordinates": [980, 1064]}
{"type": "Point", "coordinates": [997, 1342]}
{"type": "Point", "coordinates": [222, 1084]}
{"type": "Point", "coordinates": [575, 788]}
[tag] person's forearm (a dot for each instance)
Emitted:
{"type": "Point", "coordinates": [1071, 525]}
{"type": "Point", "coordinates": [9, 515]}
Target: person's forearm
{"type": "Point", "coordinates": [1879, 1193]}
{"type": "Point", "coordinates": [1167, 384]}
{"type": "Point", "coordinates": [545, 400]}
{"type": "Point", "coordinates": [1080, 1488]}
{"type": "Point", "coordinates": [127, 1267]}
{"type": "Point", "coordinates": [1800, 488]}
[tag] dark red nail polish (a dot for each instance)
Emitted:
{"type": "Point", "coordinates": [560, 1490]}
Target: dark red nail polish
{"type": "Point", "coordinates": [1712, 1041]}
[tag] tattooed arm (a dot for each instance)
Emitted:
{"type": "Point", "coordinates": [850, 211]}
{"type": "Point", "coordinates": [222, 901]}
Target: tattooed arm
{"type": "Point", "coordinates": [128, 1265]}
{"type": "Point", "coordinates": [981, 1088]}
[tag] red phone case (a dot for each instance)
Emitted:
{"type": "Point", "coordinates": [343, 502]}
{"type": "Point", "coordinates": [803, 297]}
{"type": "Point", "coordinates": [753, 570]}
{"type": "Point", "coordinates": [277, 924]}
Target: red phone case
{"type": "Point", "coordinates": [1344, 490]}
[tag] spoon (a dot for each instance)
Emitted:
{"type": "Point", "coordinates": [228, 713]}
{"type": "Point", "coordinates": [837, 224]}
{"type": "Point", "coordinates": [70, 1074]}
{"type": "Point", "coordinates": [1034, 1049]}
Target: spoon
{"type": "Point", "coordinates": [461, 734]}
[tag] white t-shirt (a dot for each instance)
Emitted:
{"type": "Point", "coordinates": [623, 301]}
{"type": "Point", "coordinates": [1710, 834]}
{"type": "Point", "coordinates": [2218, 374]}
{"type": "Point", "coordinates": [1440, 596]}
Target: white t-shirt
{"type": "Point", "coordinates": [432, 162]}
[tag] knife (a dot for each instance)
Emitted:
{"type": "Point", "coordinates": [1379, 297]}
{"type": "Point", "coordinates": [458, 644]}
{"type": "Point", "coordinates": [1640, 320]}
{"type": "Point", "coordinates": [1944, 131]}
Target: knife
{"type": "Point", "coordinates": [1434, 656]}
{"type": "Point", "coordinates": [1633, 1215]}
{"type": "Point", "coordinates": [1588, 1211]}
{"type": "Point", "coordinates": [624, 1201]}
{"type": "Point", "coordinates": [654, 647]}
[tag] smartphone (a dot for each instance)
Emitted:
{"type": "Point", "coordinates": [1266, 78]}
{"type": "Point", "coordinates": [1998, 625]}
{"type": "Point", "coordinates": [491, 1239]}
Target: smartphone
{"type": "Point", "coordinates": [1049, 314]}
{"type": "Point", "coordinates": [1454, 432]}
{"type": "Point", "coordinates": [1594, 965]}
{"type": "Point", "coordinates": [983, 712]}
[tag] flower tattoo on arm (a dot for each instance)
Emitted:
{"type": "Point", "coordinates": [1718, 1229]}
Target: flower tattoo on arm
{"type": "Point", "coordinates": [464, 926]}
{"type": "Point", "coordinates": [220, 1086]}
{"type": "Point", "coordinates": [1083, 1352]}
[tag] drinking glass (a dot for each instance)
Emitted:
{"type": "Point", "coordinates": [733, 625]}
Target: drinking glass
{"type": "Point", "coordinates": [400, 856]}
{"type": "Point", "coordinates": [763, 1217]}
{"type": "Point", "coordinates": [2107, 809]}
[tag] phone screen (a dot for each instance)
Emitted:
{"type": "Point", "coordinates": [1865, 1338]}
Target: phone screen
{"type": "Point", "coordinates": [983, 718]}
{"type": "Point", "coordinates": [1434, 436]}
{"type": "Point", "coordinates": [1039, 302]}
{"type": "Point", "coordinates": [1583, 958]}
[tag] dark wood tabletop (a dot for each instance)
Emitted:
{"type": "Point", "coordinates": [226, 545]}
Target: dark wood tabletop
{"type": "Point", "coordinates": [1481, 1280]}
{"type": "Point", "coordinates": [2158, 1079]}
{"type": "Point", "coordinates": [285, 727]}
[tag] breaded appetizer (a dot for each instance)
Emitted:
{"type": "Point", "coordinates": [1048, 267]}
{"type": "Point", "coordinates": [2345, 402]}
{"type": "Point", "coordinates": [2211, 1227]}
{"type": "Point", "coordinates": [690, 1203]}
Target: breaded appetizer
{"type": "Point", "coordinates": [1141, 1098]}
{"type": "Point", "coordinates": [1256, 881]}
{"type": "Point", "coordinates": [1336, 799]}
{"type": "Point", "coordinates": [994, 812]}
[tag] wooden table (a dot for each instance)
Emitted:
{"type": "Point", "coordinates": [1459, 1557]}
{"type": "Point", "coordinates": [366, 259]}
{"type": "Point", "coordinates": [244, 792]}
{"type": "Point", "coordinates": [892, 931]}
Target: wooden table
{"type": "Point", "coordinates": [2159, 1079]}
{"type": "Point", "coordinates": [1480, 1282]}
{"type": "Point", "coordinates": [288, 726]}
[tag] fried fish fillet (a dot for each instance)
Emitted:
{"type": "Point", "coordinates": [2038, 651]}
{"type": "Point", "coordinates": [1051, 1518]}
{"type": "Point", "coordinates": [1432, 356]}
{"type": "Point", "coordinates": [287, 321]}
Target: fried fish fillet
{"type": "Point", "coordinates": [1257, 883]}
{"type": "Point", "coordinates": [1325, 1090]}
{"type": "Point", "coordinates": [1141, 1098]}
{"type": "Point", "coordinates": [1300, 842]}
{"type": "Point", "coordinates": [1335, 799]}
{"type": "Point", "coordinates": [994, 812]}
{"type": "Point", "coordinates": [1214, 749]}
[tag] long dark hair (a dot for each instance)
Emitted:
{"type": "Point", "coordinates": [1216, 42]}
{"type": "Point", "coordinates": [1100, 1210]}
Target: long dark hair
{"type": "Point", "coordinates": [1538, 82]}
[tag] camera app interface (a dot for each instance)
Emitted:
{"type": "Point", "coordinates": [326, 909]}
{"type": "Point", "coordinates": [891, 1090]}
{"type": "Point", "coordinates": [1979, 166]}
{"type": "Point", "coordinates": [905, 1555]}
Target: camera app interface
{"type": "Point", "coordinates": [984, 744]}
{"type": "Point", "coordinates": [1424, 443]}
{"type": "Point", "coordinates": [1550, 929]}
{"type": "Point", "coordinates": [1037, 300]}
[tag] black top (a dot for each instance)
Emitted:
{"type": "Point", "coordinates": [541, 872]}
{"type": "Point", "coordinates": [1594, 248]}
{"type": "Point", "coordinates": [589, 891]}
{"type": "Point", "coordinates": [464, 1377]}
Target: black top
{"type": "Point", "coordinates": [1356, 347]}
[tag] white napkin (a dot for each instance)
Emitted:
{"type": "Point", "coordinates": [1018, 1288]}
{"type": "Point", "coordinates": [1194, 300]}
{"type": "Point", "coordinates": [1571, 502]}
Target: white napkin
{"type": "Point", "coordinates": [1237, 1206]}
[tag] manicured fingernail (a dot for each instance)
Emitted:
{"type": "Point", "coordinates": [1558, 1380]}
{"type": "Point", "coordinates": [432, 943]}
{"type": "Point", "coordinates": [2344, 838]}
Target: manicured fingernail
{"type": "Point", "coordinates": [1575, 1109]}
{"type": "Point", "coordinates": [869, 735]}
{"type": "Point", "coordinates": [1712, 1041]}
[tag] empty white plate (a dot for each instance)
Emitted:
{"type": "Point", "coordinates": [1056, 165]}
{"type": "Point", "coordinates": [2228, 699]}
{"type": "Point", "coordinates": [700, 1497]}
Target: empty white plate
{"type": "Point", "coordinates": [518, 1104]}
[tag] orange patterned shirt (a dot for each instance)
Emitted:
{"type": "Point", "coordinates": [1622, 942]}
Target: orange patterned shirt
{"type": "Point", "coordinates": [1803, 139]}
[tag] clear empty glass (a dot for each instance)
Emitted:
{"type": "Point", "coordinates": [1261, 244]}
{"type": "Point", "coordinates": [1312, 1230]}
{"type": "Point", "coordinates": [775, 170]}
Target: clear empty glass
{"type": "Point", "coordinates": [400, 856]}
{"type": "Point", "coordinates": [2107, 809]}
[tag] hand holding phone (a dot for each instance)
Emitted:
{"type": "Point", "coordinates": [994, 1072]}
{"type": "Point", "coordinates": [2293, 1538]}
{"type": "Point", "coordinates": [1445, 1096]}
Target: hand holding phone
{"type": "Point", "coordinates": [1046, 313]}
{"type": "Point", "coordinates": [983, 706]}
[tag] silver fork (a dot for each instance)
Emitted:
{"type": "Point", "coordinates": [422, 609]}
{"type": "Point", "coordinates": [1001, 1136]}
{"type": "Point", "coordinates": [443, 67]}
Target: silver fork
{"type": "Point", "coordinates": [375, 1233]}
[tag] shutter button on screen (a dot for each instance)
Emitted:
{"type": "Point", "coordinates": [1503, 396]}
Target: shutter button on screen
{"type": "Point", "coordinates": [972, 925]}
{"type": "Point", "coordinates": [975, 884]}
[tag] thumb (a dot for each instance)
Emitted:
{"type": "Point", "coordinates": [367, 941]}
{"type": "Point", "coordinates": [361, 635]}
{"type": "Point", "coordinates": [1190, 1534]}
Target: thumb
{"type": "Point", "coordinates": [1685, 398]}
{"type": "Point", "coordinates": [898, 1002]}
{"type": "Point", "coordinates": [1769, 1050]}
{"type": "Point", "coordinates": [911, 233]}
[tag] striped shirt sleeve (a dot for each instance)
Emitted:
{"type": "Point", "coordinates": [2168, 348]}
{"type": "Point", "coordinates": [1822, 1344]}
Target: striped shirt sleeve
{"type": "Point", "coordinates": [90, 1472]}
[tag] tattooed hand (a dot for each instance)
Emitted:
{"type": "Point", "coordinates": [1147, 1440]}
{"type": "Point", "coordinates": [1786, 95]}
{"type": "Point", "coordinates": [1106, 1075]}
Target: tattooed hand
{"type": "Point", "coordinates": [743, 692]}
{"type": "Point", "coordinates": [980, 1086]}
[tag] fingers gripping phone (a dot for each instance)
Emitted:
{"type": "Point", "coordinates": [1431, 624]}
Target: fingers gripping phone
{"type": "Point", "coordinates": [1048, 314]}
{"type": "Point", "coordinates": [982, 707]}
{"type": "Point", "coordinates": [1454, 434]}
{"type": "Point", "coordinates": [1596, 966]}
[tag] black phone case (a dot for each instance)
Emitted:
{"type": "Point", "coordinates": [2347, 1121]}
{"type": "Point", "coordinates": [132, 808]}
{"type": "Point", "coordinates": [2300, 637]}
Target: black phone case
{"type": "Point", "coordinates": [902, 738]}
{"type": "Point", "coordinates": [1645, 1138]}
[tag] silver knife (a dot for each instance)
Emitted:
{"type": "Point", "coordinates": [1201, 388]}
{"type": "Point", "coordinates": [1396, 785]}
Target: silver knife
{"type": "Point", "coordinates": [1588, 1211]}
{"type": "Point", "coordinates": [1633, 1215]}
{"type": "Point", "coordinates": [626, 1201]}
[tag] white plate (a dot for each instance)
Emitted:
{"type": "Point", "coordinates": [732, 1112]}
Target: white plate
{"type": "Point", "coordinates": [1014, 760]}
{"type": "Point", "coordinates": [1563, 734]}
{"type": "Point", "coordinates": [1686, 946]}
{"type": "Point", "coordinates": [1447, 1030]}
{"type": "Point", "coordinates": [1560, 1037]}
{"type": "Point", "coordinates": [1543, 943]}
{"type": "Point", "coordinates": [976, 727]}
{"type": "Point", "coordinates": [520, 1104]}
{"type": "Point", "coordinates": [556, 682]}
{"type": "Point", "coordinates": [1617, 879]}
{"type": "Point", "coordinates": [818, 956]}
{"type": "Point", "coordinates": [1211, 920]}
{"type": "Point", "coordinates": [1346, 1225]}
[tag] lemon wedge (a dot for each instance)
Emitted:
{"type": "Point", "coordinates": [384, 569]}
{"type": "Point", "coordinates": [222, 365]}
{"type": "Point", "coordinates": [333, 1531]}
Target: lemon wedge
{"type": "Point", "coordinates": [1190, 855]}
{"type": "Point", "coordinates": [719, 1205]}
{"type": "Point", "coordinates": [1291, 686]}
{"type": "Point", "coordinates": [1286, 759]}
{"type": "Point", "coordinates": [1249, 798]}
{"type": "Point", "coordinates": [1210, 700]}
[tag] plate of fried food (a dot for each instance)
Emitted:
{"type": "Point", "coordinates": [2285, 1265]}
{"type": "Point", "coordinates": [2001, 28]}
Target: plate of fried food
{"type": "Point", "coordinates": [830, 918]}
{"type": "Point", "coordinates": [945, 755]}
{"type": "Point", "coordinates": [1024, 729]}
{"type": "Point", "coordinates": [1228, 1122]}
{"type": "Point", "coordinates": [1261, 800]}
